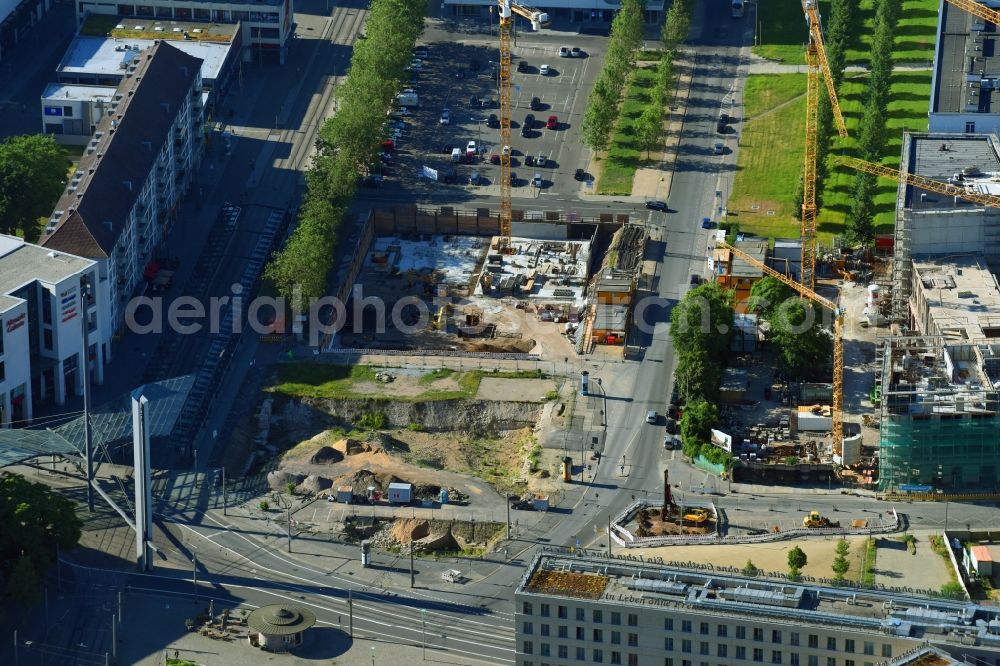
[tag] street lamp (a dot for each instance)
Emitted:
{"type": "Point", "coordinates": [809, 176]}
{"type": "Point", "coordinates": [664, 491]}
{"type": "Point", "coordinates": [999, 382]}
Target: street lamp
{"type": "Point", "coordinates": [373, 655]}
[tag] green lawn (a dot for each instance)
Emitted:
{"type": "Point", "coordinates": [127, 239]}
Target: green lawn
{"type": "Point", "coordinates": [914, 38]}
{"type": "Point", "coordinates": [624, 157]}
{"type": "Point", "coordinates": [781, 31]}
{"type": "Point", "coordinates": [908, 107]}
{"type": "Point", "coordinates": [327, 381]}
{"type": "Point", "coordinates": [770, 157]}
{"type": "Point", "coordinates": [770, 160]}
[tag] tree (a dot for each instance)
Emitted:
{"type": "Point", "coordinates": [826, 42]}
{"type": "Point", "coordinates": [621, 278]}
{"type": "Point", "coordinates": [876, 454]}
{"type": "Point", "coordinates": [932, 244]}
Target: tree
{"type": "Point", "coordinates": [703, 320]}
{"type": "Point", "coordinates": [768, 293]}
{"type": "Point", "coordinates": [796, 561]}
{"type": "Point", "coordinates": [750, 569]}
{"type": "Point", "coordinates": [599, 121]}
{"type": "Point", "coordinates": [37, 522]}
{"type": "Point", "coordinates": [803, 345]}
{"type": "Point", "coordinates": [32, 176]}
{"type": "Point", "coordinates": [697, 422]}
{"type": "Point", "coordinates": [861, 218]}
{"type": "Point", "coordinates": [840, 564]}
{"type": "Point", "coordinates": [698, 376]}
{"type": "Point", "coordinates": [676, 25]}
{"type": "Point", "coordinates": [650, 129]}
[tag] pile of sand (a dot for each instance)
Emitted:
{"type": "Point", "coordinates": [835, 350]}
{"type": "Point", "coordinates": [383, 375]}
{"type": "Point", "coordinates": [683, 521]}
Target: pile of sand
{"type": "Point", "coordinates": [407, 530]}
{"type": "Point", "coordinates": [350, 447]}
{"type": "Point", "coordinates": [314, 484]}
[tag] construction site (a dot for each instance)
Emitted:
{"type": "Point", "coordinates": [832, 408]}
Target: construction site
{"type": "Point", "coordinates": [538, 296]}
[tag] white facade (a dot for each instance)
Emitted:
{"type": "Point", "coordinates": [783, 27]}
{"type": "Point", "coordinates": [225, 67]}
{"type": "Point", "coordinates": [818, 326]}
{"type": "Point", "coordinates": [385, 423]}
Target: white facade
{"type": "Point", "coordinates": [41, 307]}
{"type": "Point", "coordinates": [70, 113]}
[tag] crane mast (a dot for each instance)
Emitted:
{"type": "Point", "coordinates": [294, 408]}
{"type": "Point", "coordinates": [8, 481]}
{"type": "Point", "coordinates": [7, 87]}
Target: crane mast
{"type": "Point", "coordinates": [816, 62]}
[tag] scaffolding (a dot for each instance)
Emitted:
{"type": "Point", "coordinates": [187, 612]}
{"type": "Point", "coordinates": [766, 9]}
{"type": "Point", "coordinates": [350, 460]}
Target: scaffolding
{"type": "Point", "coordinates": [940, 413]}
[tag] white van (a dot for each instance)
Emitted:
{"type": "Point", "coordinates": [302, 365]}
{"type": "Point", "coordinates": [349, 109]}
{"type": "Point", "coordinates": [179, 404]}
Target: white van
{"type": "Point", "coordinates": [456, 154]}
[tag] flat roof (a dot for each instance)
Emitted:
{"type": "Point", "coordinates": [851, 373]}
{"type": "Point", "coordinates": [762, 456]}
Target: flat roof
{"type": "Point", "coordinates": [77, 92]}
{"type": "Point", "coordinates": [105, 56]}
{"type": "Point", "coordinates": [941, 156]}
{"type": "Point", "coordinates": [964, 83]}
{"type": "Point", "coordinates": [645, 584]}
{"type": "Point", "coordinates": [22, 263]}
{"type": "Point", "coordinates": [962, 295]}
{"type": "Point", "coordinates": [134, 27]}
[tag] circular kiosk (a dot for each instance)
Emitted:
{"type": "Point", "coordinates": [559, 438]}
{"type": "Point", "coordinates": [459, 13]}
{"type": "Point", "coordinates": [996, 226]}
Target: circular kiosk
{"type": "Point", "coordinates": [279, 628]}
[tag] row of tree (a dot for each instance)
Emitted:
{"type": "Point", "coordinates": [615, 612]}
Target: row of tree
{"type": "Point", "coordinates": [348, 143]}
{"type": "Point", "coordinates": [649, 129]}
{"type": "Point", "coordinates": [37, 522]}
{"type": "Point", "coordinates": [604, 99]}
{"type": "Point", "coordinates": [872, 132]}
{"type": "Point", "coordinates": [794, 328]}
{"type": "Point", "coordinates": [32, 176]}
{"type": "Point", "coordinates": [700, 327]}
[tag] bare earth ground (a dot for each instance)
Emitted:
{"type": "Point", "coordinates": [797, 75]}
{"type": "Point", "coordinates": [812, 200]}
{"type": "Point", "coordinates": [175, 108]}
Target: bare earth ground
{"type": "Point", "coordinates": [406, 386]}
{"type": "Point", "coordinates": [766, 556]}
{"type": "Point", "coordinates": [463, 458]}
{"type": "Point", "coordinates": [896, 566]}
{"type": "Point", "coordinates": [515, 390]}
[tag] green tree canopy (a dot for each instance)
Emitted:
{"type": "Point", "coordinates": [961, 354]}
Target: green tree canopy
{"type": "Point", "coordinates": [36, 520]}
{"type": "Point", "coordinates": [32, 176]}
{"type": "Point", "coordinates": [703, 320]}
{"type": "Point", "coordinates": [803, 345]}
{"type": "Point", "coordinates": [699, 417]}
{"type": "Point", "coordinates": [767, 294]}
{"type": "Point", "coordinates": [796, 559]}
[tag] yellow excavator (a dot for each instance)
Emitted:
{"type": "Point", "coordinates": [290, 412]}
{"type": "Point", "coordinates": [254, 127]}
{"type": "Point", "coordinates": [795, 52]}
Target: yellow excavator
{"type": "Point", "coordinates": [814, 519]}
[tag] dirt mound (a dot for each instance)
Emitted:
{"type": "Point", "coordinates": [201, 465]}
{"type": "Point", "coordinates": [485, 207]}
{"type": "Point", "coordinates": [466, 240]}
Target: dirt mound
{"type": "Point", "coordinates": [351, 447]}
{"type": "Point", "coordinates": [426, 491]}
{"type": "Point", "coordinates": [279, 479]}
{"type": "Point", "coordinates": [522, 346]}
{"type": "Point", "coordinates": [326, 455]}
{"type": "Point", "coordinates": [314, 484]}
{"type": "Point", "coordinates": [405, 531]}
{"type": "Point", "coordinates": [358, 481]}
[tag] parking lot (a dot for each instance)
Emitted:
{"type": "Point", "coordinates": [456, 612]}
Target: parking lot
{"type": "Point", "coordinates": [461, 76]}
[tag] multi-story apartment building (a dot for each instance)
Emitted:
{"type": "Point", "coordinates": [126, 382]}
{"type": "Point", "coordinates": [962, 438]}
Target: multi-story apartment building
{"type": "Point", "coordinates": [120, 202]}
{"type": "Point", "coordinates": [590, 610]}
{"type": "Point", "coordinates": [42, 297]}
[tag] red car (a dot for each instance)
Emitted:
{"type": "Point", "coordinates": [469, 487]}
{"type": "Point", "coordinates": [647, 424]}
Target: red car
{"type": "Point", "coordinates": [553, 122]}
{"type": "Point", "coordinates": [494, 159]}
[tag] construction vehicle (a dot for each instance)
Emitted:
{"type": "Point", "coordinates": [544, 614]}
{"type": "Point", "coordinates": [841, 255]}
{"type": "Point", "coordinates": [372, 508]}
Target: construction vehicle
{"type": "Point", "coordinates": [696, 516]}
{"type": "Point", "coordinates": [837, 415]}
{"type": "Point", "coordinates": [922, 182]}
{"type": "Point", "coordinates": [817, 64]}
{"type": "Point", "coordinates": [538, 20]}
{"type": "Point", "coordinates": [815, 520]}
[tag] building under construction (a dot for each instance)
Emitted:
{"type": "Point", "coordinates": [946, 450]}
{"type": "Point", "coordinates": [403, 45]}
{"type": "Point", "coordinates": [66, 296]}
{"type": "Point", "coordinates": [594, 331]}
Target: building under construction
{"type": "Point", "coordinates": [939, 388]}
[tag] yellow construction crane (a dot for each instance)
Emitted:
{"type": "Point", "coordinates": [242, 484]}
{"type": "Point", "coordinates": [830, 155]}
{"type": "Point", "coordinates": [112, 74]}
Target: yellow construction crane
{"type": "Point", "coordinates": [976, 9]}
{"type": "Point", "coordinates": [538, 20]}
{"type": "Point", "coordinates": [920, 181]}
{"type": "Point", "coordinates": [817, 63]}
{"type": "Point", "coordinates": [837, 416]}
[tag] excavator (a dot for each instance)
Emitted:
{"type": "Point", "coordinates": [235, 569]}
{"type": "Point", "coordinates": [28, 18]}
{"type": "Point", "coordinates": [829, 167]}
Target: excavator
{"type": "Point", "coordinates": [696, 516]}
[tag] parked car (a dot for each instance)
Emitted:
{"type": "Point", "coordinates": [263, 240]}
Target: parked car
{"type": "Point", "coordinates": [671, 426]}
{"type": "Point", "coordinates": [718, 148]}
{"type": "Point", "coordinates": [542, 160]}
{"type": "Point", "coordinates": [470, 149]}
{"type": "Point", "coordinates": [529, 160]}
{"type": "Point", "coordinates": [552, 123]}
{"type": "Point", "coordinates": [522, 66]}
{"type": "Point", "coordinates": [536, 104]}
{"type": "Point", "coordinates": [537, 180]}
{"type": "Point", "coordinates": [580, 174]}
{"type": "Point", "coordinates": [474, 102]}
{"type": "Point", "coordinates": [657, 205]}
{"type": "Point", "coordinates": [445, 118]}
{"type": "Point", "coordinates": [652, 416]}
{"type": "Point", "coordinates": [529, 122]}
{"type": "Point", "coordinates": [706, 223]}
{"type": "Point", "coordinates": [494, 159]}
{"type": "Point", "coordinates": [695, 279]}
{"type": "Point", "coordinates": [513, 179]}
{"type": "Point", "coordinates": [448, 175]}
{"type": "Point", "coordinates": [493, 121]}
{"type": "Point", "coordinates": [575, 52]}
{"type": "Point", "coordinates": [544, 70]}
{"type": "Point", "coordinates": [564, 52]}
{"type": "Point", "coordinates": [474, 178]}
